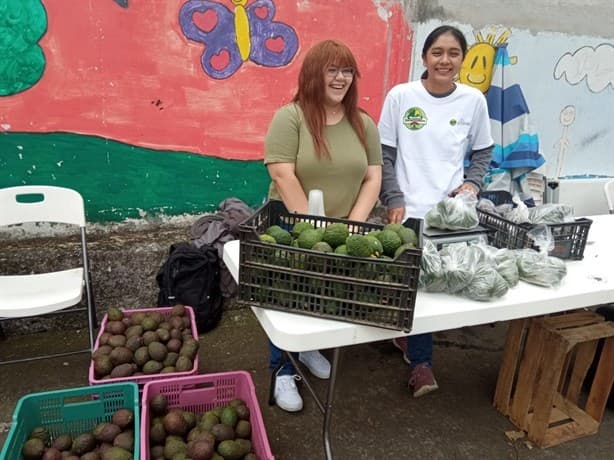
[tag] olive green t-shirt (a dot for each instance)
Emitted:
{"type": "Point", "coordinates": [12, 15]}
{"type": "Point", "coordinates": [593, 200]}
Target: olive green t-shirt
{"type": "Point", "coordinates": [340, 177]}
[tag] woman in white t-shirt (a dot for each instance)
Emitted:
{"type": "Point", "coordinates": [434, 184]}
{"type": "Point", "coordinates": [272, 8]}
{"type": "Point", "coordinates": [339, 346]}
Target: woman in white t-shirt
{"type": "Point", "coordinates": [427, 128]}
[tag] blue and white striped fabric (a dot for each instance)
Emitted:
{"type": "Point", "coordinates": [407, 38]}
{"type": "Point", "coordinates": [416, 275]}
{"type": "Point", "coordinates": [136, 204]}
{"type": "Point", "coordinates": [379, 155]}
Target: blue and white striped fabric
{"type": "Point", "coordinates": [516, 145]}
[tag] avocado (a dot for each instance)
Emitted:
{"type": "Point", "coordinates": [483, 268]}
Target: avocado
{"type": "Point", "coordinates": [116, 453]}
{"type": "Point", "coordinates": [152, 367]}
{"type": "Point", "coordinates": [157, 433]}
{"type": "Point", "coordinates": [115, 314]}
{"type": "Point", "coordinates": [157, 351]}
{"type": "Point", "coordinates": [184, 364]}
{"type": "Point", "coordinates": [141, 356]}
{"type": "Point", "coordinates": [134, 342]}
{"type": "Point", "coordinates": [123, 418]}
{"type": "Point", "coordinates": [201, 449]}
{"type": "Point", "coordinates": [83, 443]}
{"type": "Point", "coordinates": [229, 416]}
{"type": "Point", "coordinates": [223, 432]}
{"type": "Point", "coordinates": [102, 366]}
{"type": "Point", "coordinates": [174, 446]}
{"type": "Point", "coordinates": [242, 412]}
{"type": "Point", "coordinates": [159, 404]}
{"type": "Point", "coordinates": [335, 234]}
{"type": "Point", "coordinates": [243, 429]}
{"type": "Point", "coordinates": [121, 355]}
{"type": "Point", "coordinates": [358, 246]}
{"type": "Point", "coordinates": [33, 449]}
{"type": "Point", "coordinates": [62, 442]}
{"type": "Point", "coordinates": [178, 310]}
{"type": "Point", "coordinates": [125, 440]}
{"type": "Point", "coordinates": [230, 450]}
{"type": "Point", "coordinates": [106, 432]}
{"type": "Point", "coordinates": [123, 370]}
{"type": "Point", "coordinates": [390, 241]}
{"type": "Point", "coordinates": [175, 423]}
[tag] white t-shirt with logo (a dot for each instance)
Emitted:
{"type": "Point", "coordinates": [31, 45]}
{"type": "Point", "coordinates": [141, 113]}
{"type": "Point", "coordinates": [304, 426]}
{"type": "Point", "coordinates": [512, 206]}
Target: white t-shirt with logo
{"type": "Point", "coordinates": [432, 136]}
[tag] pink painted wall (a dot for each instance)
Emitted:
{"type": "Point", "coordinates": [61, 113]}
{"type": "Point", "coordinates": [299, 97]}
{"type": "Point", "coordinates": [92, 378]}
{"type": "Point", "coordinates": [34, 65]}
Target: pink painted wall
{"type": "Point", "coordinates": [131, 74]}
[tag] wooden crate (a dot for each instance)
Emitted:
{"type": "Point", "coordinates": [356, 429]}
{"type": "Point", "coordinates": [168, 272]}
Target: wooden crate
{"type": "Point", "coordinates": [543, 368]}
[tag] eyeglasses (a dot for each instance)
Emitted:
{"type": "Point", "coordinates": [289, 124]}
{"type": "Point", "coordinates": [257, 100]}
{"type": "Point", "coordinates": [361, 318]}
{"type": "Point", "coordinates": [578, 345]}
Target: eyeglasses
{"type": "Point", "coordinates": [347, 72]}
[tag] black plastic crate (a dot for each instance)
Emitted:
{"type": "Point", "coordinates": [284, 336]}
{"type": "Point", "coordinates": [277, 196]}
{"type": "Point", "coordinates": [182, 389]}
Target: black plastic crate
{"type": "Point", "coordinates": [374, 292]}
{"type": "Point", "coordinates": [569, 237]}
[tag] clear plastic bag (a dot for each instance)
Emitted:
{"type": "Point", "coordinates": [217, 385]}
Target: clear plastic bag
{"type": "Point", "coordinates": [507, 267]}
{"type": "Point", "coordinates": [538, 267]}
{"type": "Point", "coordinates": [456, 213]}
{"type": "Point", "coordinates": [486, 284]}
{"type": "Point", "coordinates": [458, 266]}
{"type": "Point", "coordinates": [431, 271]}
{"type": "Point", "coordinates": [551, 213]}
{"type": "Point", "coordinates": [518, 214]}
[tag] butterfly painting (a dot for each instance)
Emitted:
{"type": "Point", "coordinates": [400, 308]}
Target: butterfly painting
{"type": "Point", "coordinates": [233, 37]}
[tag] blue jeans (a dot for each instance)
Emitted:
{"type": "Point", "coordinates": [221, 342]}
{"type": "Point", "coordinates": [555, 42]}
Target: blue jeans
{"type": "Point", "coordinates": [420, 349]}
{"type": "Point", "coordinates": [275, 354]}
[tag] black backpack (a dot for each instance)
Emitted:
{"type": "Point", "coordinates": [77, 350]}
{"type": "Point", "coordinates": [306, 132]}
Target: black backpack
{"type": "Point", "coordinates": [191, 276]}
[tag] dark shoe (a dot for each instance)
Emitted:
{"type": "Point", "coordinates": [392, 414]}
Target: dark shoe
{"type": "Point", "coordinates": [422, 381]}
{"type": "Point", "coordinates": [401, 344]}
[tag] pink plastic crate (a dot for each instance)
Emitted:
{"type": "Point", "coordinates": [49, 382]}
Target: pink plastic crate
{"type": "Point", "coordinates": [200, 393]}
{"type": "Point", "coordinates": [142, 379]}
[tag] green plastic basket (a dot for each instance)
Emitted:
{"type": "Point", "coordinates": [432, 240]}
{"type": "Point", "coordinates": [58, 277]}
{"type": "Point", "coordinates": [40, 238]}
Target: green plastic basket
{"type": "Point", "coordinates": [74, 411]}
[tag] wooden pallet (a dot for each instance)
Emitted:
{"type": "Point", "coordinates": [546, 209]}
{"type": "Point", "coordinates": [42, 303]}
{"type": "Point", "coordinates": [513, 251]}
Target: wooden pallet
{"type": "Point", "coordinates": [543, 368]}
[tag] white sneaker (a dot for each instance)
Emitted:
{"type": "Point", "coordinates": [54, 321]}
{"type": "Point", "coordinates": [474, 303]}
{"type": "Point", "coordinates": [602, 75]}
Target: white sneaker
{"type": "Point", "coordinates": [286, 393]}
{"type": "Point", "coordinates": [317, 364]}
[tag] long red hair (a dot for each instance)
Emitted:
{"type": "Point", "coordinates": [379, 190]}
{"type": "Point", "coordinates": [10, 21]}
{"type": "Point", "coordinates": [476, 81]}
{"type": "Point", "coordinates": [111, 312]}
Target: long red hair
{"type": "Point", "coordinates": [310, 95]}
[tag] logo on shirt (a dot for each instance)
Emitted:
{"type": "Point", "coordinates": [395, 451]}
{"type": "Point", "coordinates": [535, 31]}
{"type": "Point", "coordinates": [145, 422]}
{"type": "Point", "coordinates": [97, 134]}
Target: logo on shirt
{"type": "Point", "coordinates": [415, 119]}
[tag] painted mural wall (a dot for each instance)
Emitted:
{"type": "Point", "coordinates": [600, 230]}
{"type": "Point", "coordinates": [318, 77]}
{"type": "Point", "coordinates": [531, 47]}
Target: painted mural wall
{"type": "Point", "coordinates": [568, 85]}
{"type": "Point", "coordinates": [161, 106]}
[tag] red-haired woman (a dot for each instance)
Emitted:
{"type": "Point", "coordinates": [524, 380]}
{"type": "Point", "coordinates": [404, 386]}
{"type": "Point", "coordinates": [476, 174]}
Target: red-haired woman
{"type": "Point", "coordinates": [322, 140]}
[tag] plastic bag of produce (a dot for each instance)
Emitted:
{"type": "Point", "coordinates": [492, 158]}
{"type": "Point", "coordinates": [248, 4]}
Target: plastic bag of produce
{"type": "Point", "coordinates": [538, 267]}
{"type": "Point", "coordinates": [519, 214]}
{"type": "Point", "coordinates": [456, 213]}
{"type": "Point", "coordinates": [507, 267]}
{"type": "Point", "coordinates": [551, 213]}
{"type": "Point", "coordinates": [431, 271]}
{"type": "Point", "coordinates": [458, 266]}
{"type": "Point", "coordinates": [486, 284]}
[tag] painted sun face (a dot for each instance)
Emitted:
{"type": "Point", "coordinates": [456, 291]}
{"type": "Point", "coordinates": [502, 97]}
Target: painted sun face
{"type": "Point", "coordinates": [477, 66]}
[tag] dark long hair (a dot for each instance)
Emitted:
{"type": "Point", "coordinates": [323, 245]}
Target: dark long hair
{"type": "Point", "coordinates": [310, 95]}
{"type": "Point", "coordinates": [435, 34]}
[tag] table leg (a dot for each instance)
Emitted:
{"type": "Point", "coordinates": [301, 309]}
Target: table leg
{"type": "Point", "coordinates": [329, 404]}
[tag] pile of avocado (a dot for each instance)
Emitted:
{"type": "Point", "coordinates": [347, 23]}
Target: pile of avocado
{"type": "Point", "coordinates": [144, 343]}
{"type": "Point", "coordinates": [112, 440]}
{"type": "Point", "coordinates": [389, 242]}
{"type": "Point", "coordinates": [221, 433]}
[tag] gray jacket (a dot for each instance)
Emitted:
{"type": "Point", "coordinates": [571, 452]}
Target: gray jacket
{"type": "Point", "coordinates": [391, 195]}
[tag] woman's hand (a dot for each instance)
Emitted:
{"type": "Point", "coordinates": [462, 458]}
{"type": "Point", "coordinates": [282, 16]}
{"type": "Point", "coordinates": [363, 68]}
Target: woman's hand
{"type": "Point", "coordinates": [465, 187]}
{"type": "Point", "coordinates": [395, 215]}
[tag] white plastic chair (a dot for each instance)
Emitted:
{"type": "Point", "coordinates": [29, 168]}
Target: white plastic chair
{"type": "Point", "coordinates": [609, 194]}
{"type": "Point", "coordinates": [23, 296]}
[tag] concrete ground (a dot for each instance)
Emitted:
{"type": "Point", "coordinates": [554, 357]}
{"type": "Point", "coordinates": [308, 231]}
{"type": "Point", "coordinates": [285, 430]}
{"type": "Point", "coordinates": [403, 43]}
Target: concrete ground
{"type": "Point", "coordinates": [374, 416]}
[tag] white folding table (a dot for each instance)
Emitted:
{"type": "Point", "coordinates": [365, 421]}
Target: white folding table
{"type": "Point", "coordinates": [589, 282]}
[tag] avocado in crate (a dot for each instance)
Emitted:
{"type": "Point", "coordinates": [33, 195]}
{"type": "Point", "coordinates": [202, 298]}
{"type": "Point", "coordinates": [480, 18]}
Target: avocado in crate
{"type": "Point", "coordinates": [339, 269]}
{"type": "Point", "coordinates": [203, 416]}
{"type": "Point", "coordinates": [83, 422]}
{"type": "Point", "coordinates": [145, 344]}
